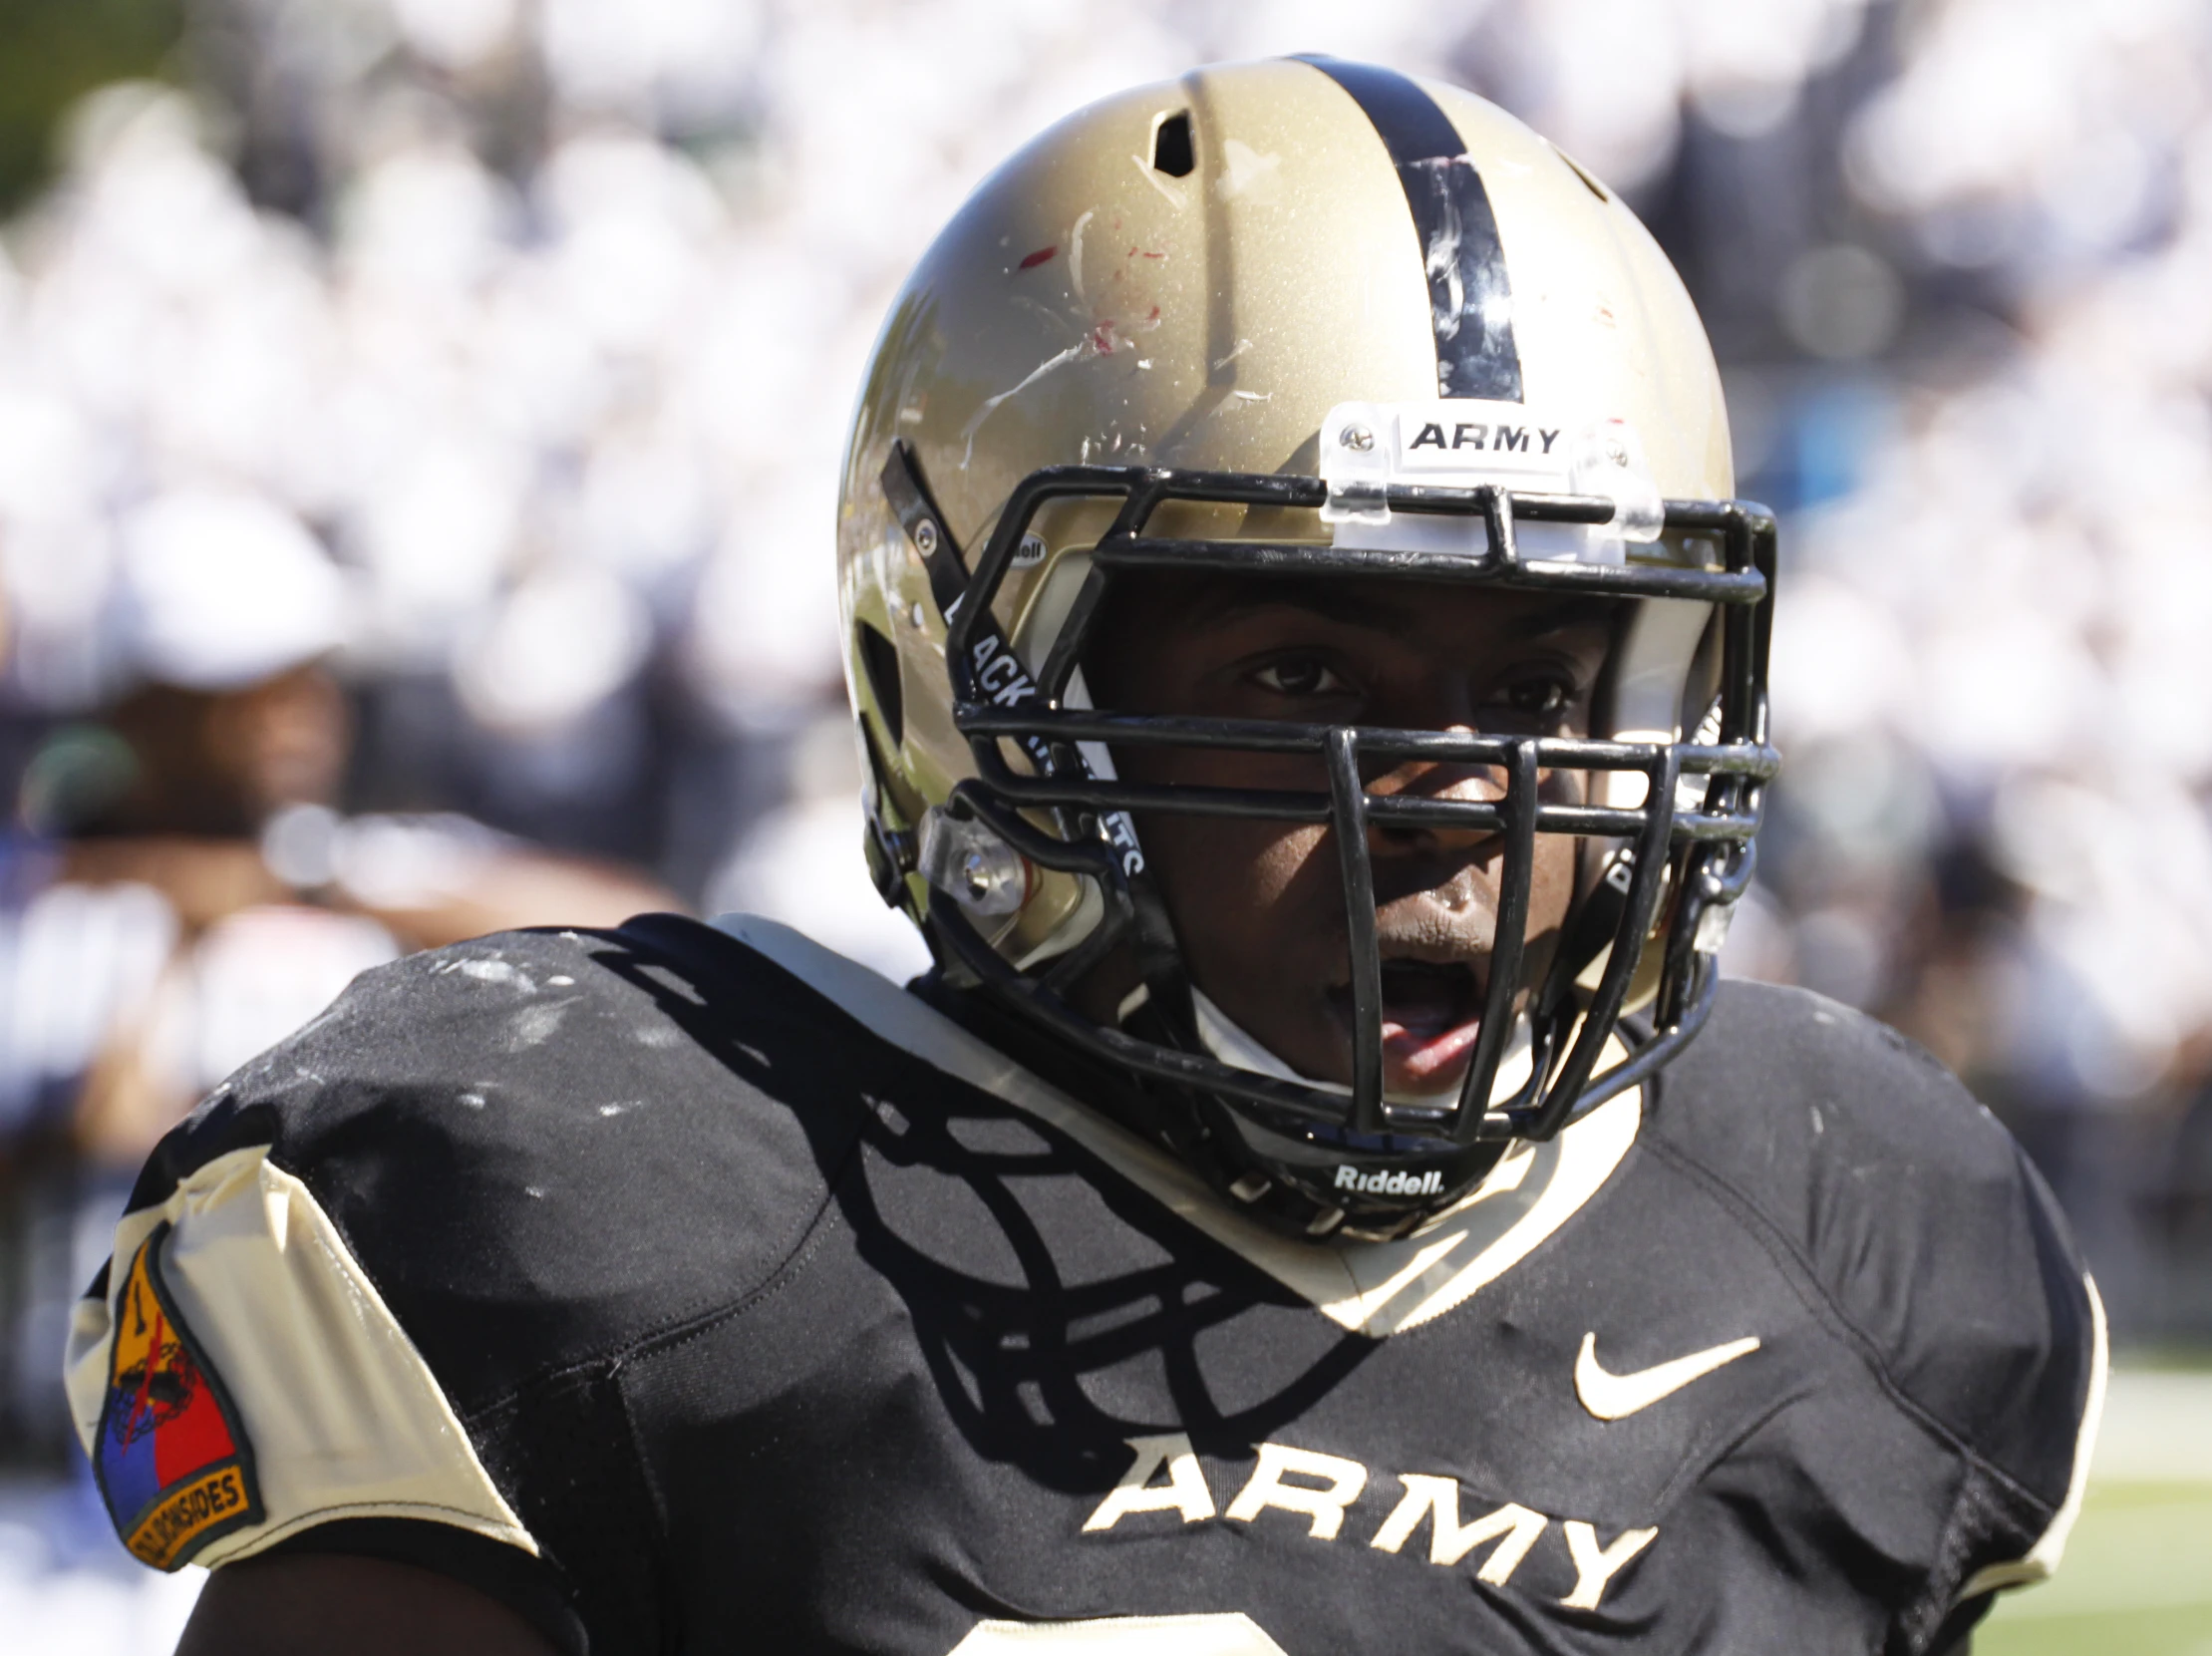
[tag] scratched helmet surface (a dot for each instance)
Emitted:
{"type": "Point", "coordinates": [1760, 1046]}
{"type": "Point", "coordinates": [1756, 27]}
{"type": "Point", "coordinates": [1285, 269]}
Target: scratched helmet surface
{"type": "Point", "coordinates": [1322, 314]}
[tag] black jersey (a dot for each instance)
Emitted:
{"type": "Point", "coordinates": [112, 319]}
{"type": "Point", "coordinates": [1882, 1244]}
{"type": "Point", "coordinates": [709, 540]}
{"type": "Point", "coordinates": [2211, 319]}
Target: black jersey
{"type": "Point", "coordinates": [698, 1293]}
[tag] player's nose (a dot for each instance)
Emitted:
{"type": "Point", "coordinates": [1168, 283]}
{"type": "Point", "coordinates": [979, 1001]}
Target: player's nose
{"type": "Point", "coordinates": [1437, 782]}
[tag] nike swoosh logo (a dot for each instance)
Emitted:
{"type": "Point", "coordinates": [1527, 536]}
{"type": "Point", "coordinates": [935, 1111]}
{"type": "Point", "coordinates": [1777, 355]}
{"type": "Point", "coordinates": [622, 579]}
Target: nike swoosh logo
{"type": "Point", "coordinates": [1611, 1396]}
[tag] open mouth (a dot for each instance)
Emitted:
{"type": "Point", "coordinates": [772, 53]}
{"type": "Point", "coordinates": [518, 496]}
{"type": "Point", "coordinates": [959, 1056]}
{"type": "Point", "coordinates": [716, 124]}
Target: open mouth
{"type": "Point", "coordinates": [1432, 1015]}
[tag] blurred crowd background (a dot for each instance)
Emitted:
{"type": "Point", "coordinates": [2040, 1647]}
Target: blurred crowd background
{"type": "Point", "coordinates": [419, 430]}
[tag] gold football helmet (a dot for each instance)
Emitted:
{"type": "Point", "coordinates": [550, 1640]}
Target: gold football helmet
{"type": "Point", "coordinates": [1310, 317]}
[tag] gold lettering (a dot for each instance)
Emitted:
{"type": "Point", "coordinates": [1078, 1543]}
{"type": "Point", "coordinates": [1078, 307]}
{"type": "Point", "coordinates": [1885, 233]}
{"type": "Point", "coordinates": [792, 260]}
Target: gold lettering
{"type": "Point", "coordinates": [1343, 1481]}
{"type": "Point", "coordinates": [186, 1514]}
{"type": "Point", "coordinates": [1184, 1492]}
{"type": "Point", "coordinates": [1595, 1569]}
{"type": "Point", "coordinates": [1514, 1527]}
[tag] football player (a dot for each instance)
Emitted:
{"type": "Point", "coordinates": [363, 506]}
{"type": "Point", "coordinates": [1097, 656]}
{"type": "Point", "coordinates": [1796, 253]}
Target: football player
{"type": "Point", "coordinates": [1311, 674]}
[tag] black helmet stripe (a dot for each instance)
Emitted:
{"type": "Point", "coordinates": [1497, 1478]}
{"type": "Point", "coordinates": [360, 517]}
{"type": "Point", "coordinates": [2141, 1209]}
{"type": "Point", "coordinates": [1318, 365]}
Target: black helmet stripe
{"type": "Point", "coordinates": [1470, 301]}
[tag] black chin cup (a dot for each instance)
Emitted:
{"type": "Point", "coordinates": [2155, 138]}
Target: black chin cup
{"type": "Point", "coordinates": [1674, 873]}
{"type": "Point", "coordinates": [1327, 1182]}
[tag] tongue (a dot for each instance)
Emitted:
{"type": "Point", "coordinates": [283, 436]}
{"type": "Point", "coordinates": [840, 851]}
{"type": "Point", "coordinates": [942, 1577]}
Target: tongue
{"type": "Point", "coordinates": [1424, 1002]}
{"type": "Point", "coordinates": [1430, 1019]}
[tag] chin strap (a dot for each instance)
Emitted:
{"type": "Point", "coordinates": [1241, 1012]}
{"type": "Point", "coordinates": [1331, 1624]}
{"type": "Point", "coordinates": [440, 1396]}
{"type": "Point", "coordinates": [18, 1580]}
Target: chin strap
{"type": "Point", "coordinates": [1594, 929]}
{"type": "Point", "coordinates": [1208, 1136]}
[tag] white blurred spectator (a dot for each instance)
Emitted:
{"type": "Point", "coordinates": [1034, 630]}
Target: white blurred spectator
{"type": "Point", "coordinates": [1609, 79]}
{"type": "Point", "coordinates": [560, 643]}
{"type": "Point", "coordinates": [2031, 130]}
{"type": "Point", "coordinates": [218, 589]}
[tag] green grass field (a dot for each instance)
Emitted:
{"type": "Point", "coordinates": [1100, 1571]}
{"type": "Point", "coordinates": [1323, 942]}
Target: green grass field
{"type": "Point", "coordinates": [2138, 1579]}
{"type": "Point", "coordinates": [2137, 1576]}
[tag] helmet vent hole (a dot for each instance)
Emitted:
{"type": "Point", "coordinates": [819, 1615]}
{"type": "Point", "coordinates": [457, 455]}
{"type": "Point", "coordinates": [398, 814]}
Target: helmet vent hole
{"type": "Point", "coordinates": [879, 660]}
{"type": "Point", "coordinates": [1171, 152]}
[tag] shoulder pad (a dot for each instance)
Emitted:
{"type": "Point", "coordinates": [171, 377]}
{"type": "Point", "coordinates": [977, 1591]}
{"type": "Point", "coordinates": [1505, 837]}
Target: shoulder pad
{"type": "Point", "coordinates": [1910, 1205]}
{"type": "Point", "coordinates": [543, 1144]}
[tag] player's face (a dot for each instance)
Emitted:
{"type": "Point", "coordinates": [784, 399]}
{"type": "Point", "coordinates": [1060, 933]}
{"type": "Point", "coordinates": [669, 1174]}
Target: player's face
{"type": "Point", "coordinates": [1258, 905]}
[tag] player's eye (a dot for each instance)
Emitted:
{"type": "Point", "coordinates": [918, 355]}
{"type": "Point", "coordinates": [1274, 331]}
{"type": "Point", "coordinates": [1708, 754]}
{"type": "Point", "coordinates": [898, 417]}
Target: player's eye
{"type": "Point", "coordinates": [1300, 676]}
{"type": "Point", "coordinates": [1539, 696]}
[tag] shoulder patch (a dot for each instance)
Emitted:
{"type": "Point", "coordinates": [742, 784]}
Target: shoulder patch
{"type": "Point", "coordinates": [173, 1461]}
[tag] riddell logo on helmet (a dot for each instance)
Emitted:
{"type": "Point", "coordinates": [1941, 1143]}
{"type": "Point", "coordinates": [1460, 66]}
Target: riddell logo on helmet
{"type": "Point", "coordinates": [1430, 1184]}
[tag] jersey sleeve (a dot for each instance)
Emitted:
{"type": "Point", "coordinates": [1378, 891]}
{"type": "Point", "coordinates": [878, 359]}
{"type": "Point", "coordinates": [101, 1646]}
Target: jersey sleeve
{"type": "Point", "coordinates": [238, 1378]}
{"type": "Point", "coordinates": [1942, 1258]}
{"type": "Point", "coordinates": [374, 1295]}
{"type": "Point", "coordinates": [241, 1388]}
